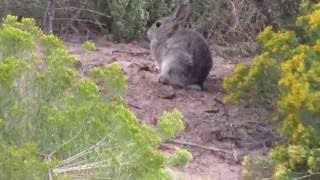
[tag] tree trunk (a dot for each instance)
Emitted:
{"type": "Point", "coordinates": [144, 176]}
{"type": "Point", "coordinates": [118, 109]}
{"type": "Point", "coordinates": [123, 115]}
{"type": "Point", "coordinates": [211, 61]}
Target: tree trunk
{"type": "Point", "coordinates": [49, 16]}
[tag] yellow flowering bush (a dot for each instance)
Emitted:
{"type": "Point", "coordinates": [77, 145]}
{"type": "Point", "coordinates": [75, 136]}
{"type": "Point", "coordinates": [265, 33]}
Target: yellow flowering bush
{"type": "Point", "coordinates": [287, 76]}
{"type": "Point", "coordinates": [256, 82]}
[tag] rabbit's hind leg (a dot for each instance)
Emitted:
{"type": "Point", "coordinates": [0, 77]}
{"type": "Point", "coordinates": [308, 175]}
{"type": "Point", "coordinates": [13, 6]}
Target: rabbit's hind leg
{"type": "Point", "coordinates": [176, 82]}
{"type": "Point", "coordinates": [166, 78]}
{"type": "Point", "coordinates": [174, 73]}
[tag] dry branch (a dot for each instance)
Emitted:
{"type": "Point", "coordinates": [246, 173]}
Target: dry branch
{"type": "Point", "coordinates": [49, 16]}
{"type": "Point", "coordinates": [214, 149]}
{"type": "Point", "coordinates": [83, 9]}
{"type": "Point", "coordinates": [80, 20]}
{"type": "Point", "coordinates": [308, 176]}
{"type": "Point", "coordinates": [87, 166]}
{"type": "Point", "coordinates": [131, 52]}
{"type": "Point", "coordinates": [235, 14]}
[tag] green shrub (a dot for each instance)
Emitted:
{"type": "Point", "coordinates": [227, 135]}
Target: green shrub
{"type": "Point", "coordinates": [126, 19]}
{"type": "Point", "coordinates": [23, 8]}
{"type": "Point", "coordinates": [206, 13]}
{"type": "Point", "coordinates": [22, 162]}
{"type": "Point", "coordinates": [169, 124]}
{"type": "Point", "coordinates": [256, 168]}
{"type": "Point", "coordinates": [231, 21]}
{"type": "Point", "coordinates": [130, 17]}
{"type": "Point", "coordinates": [53, 122]}
{"type": "Point", "coordinates": [181, 158]}
{"type": "Point", "coordinates": [160, 8]}
{"type": "Point", "coordinates": [89, 46]}
{"type": "Point", "coordinates": [290, 65]}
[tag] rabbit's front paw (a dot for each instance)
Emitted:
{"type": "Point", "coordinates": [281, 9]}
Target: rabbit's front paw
{"type": "Point", "coordinates": [155, 68]}
{"type": "Point", "coordinates": [162, 80]}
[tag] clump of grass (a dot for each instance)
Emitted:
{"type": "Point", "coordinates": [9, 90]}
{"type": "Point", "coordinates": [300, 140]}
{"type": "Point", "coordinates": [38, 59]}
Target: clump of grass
{"type": "Point", "coordinates": [89, 46]}
{"type": "Point", "coordinates": [180, 158]}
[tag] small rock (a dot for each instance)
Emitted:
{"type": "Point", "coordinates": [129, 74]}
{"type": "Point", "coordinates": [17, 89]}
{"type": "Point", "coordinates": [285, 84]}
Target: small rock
{"type": "Point", "coordinates": [144, 68]}
{"type": "Point", "coordinates": [166, 92]}
{"type": "Point", "coordinates": [207, 136]}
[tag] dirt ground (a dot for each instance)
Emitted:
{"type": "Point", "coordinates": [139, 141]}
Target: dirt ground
{"type": "Point", "coordinates": [218, 135]}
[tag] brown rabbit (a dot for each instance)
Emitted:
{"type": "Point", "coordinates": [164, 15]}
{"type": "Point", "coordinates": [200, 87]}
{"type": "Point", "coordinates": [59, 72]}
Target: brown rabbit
{"type": "Point", "coordinates": [182, 54]}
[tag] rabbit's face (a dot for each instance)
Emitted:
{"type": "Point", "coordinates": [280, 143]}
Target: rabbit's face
{"type": "Point", "coordinates": [160, 28]}
{"type": "Point", "coordinates": [167, 26]}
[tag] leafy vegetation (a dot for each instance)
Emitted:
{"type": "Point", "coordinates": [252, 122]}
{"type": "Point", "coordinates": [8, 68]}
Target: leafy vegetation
{"type": "Point", "coordinates": [287, 72]}
{"type": "Point", "coordinates": [226, 21]}
{"type": "Point", "coordinates": [89, 46]}
{"type": "Point", "coordinates": [256, 168]}
{"type": "Point", "coordinates": [181, 158]}
{"type": "Point", "coordinates": [168, 125]}
{"type": "Point", "coordinates": [53, 123]}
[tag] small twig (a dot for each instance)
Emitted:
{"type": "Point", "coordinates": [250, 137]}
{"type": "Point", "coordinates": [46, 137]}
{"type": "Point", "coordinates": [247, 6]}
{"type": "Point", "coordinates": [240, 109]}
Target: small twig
{"type": "Point", "coordinates": [50, 175]}
{"type": "Point", "coordinates": [81, 162]}
{"type": "Point", "coordinates": [83, 9]}
{"type": "Point", "coordinates": [48, 159]}
{"type": "Point", "coordinates": [81, 154]}
{"type": "Point", "coordinates": [80, 20]}
{"type": "Point", "coordinates": [49, 16]}
{"type": "Point", "coordinates": [307, 176]}
{"type": "Point", "coordinates": [235, 153]}
{"type": "Point", "coordinates": [73, 15]}
{"type": "Point", "coordinates": [131, 53]}
{"type": "Point", "coordinates": [65, 143]}
{"type": "Point", "coordinates": [134, 106]}
{"type": "Point", "coordinates": [225, 109]}
{"type": "Point", "coordinates": [202, 147]}
{"type": "Point", "coordinates": [80, 167]}
{"type": "Point", "coordinates": [70, 159]}
{"type": "Point", "coordinates": [235, 14]}
{"type": "Point", "coordinates": [218, 101]}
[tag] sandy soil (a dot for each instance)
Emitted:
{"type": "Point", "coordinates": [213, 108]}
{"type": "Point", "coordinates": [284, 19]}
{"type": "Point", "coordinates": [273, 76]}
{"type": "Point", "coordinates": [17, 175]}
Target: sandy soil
{"type": "Point", "coordinates": [218, 135]}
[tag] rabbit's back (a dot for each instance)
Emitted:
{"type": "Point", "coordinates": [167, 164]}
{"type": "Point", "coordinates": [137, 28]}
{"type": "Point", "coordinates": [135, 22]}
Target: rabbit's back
{"type": "Point", "coordinates": [191, 42]}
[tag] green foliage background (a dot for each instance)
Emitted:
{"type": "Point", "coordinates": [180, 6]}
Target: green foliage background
{"type": "Point", "coordinates": [238, 21]}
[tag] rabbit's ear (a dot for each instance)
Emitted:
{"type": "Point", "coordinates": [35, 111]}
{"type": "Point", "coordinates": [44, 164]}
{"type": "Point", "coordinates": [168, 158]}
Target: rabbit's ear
{"type": "Point", "coordinates": [183, 12]}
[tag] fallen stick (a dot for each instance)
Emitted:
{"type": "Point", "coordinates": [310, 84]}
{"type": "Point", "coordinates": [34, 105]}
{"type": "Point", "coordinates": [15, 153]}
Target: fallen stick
{"type": "Point", "coordinates": [225, 109]}
{"type": "Point", "coordinates": [131, 52]}
{"type": "Point", "coordinates": [202, 147]}
{"type": "Point", "coordinates": [214, 149]}
{"type": "Point", "coordinates": [134, 106]}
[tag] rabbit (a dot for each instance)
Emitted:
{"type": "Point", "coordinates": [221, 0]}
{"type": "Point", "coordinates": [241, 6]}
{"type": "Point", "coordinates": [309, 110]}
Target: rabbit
{"type": "Point", "coordinates": [182, 54]}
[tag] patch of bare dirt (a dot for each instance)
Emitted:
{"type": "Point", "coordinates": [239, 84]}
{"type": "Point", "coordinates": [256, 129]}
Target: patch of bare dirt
{"type": "Point", "coordinates": [217, 135]}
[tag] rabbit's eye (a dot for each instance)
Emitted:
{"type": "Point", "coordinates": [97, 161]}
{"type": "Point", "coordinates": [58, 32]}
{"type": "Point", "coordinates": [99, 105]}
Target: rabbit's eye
{"type": "Point", "coordinates": [158, 24]}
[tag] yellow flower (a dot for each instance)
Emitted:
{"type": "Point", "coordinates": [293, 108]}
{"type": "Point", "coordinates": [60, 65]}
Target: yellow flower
{"type": "Point", "coordinates": [266, 34]}
{"type": "Point", "coordinates": [298, 62]}
{"type": "Point", "coordinates": [314, 102]}
{"type": "Point", "coordinates": [314, 19]}
{"type": "Point", "coordinates": [287, 79]}
{"type": "Point", "coordinates": [281, 172]}
{"type": "Point", "coordinates": [316, 47]}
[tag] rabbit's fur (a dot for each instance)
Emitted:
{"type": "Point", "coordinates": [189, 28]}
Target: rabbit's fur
{"type": "Point", "coordinates": [182, 54]}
